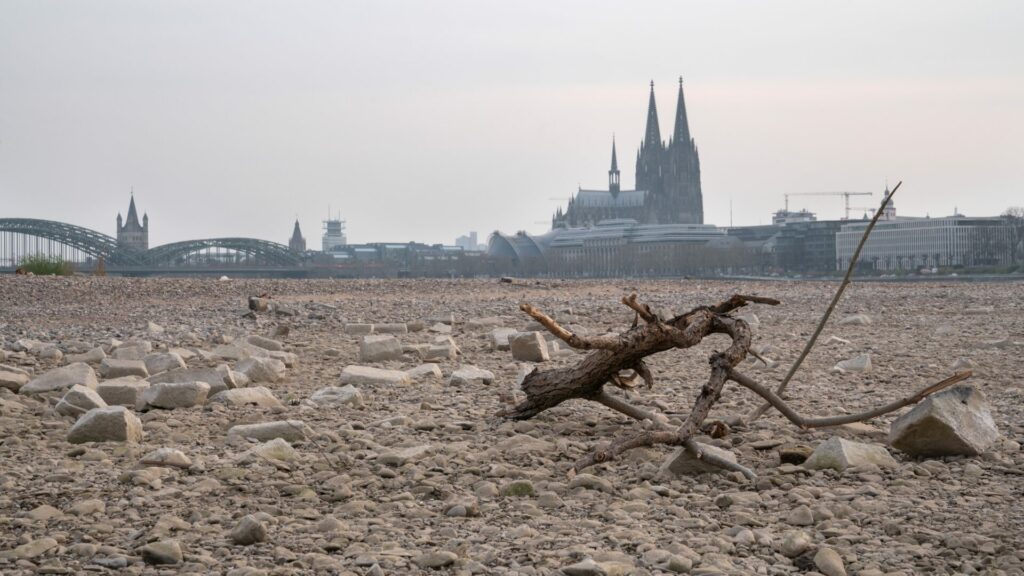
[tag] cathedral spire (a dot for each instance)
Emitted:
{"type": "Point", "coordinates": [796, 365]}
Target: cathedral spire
{"type": "Point", "coordinates": [681, 134]}
{"type": "Point", "coordinates": [652, 136]}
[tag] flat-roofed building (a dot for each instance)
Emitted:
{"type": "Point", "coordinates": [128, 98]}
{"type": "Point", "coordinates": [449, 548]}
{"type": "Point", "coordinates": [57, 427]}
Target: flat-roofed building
{"type": "Point", "coordinates": [914, 243]}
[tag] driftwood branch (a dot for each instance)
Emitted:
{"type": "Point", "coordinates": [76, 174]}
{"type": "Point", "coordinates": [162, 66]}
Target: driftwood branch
{"type": "Point", "coordinates": [612, 356]}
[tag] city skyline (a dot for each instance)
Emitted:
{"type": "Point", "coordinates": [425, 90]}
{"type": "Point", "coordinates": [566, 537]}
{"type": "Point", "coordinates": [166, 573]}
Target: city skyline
{"type": "Point", "coordinates": [226, 132]}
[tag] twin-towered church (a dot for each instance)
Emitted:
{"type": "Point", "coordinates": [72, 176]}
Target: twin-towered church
{"type": "Point", "coordinates": [667, 181]}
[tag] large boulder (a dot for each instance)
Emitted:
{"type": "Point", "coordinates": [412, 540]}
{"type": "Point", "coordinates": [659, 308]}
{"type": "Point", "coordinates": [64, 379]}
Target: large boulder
{"type": "Point", "coordinates": [12, 378]}
{"type": "Point", "coordinates": [170, 395]}
{"type": "Point", "coordinates": [79, 400]}
{"type": "Point", "coordinates": [529, 347]}
{"type": "Point", "coordinates": [953, 422]}
{"type": "Point", "coordinates": [363, 375]}
{"type": "Point", "coordinates": [122, 391]}
{"type": "Point", "coordinates": [379, 348]}
{"type": "Point", "coordinates": [839, 454]}
{"type": "Point", "coordinates": [114, 368]}
{"type": "Point", "coordinates": [261, 369]}
{"type": "Point", "coordinates": [257, 396]}
{"type": "Point", "coordinates": [61, 379]}
{"type": "Point", "coordinates": [218, 378]}
{"type": "Point", "coordinates": [111, 424]}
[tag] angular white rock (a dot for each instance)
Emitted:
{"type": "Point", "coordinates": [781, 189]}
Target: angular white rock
{"type": "Point", "coordinates": [79, 400]}
{"type": "Point", "coordinates": [953, 422]}
{"type": "Point", "coordinates": [368, 375]}
{"type": "Point", "coordinates": [840, 454]}
{"type": "Point", "coordinates": [61, 379]}
{"type": "Point", "coordinates": [111, 424]}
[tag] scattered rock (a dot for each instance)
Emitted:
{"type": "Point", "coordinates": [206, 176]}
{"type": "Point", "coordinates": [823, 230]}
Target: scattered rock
{"type": "Point", "coordinates": [218, 378]}
{"type": "Point", "coordinates": [795, 543]}
{"type": "Point", "coordinates": [93, 356]}
{"type": "Point", "coordinates": [379, 348]}
{"type": "Point", "coordinates": [860, 363]}
{"type": "Point", "coordinates": [32, 549]}
{"type": "Point", "coordinates": [62, 378]}
{"type": "Point", "coordinates": [829, 562]}
{"type": "Point", "coordinates": [338, 395]}
{"type": "Point", "coordinates": [358, 329]}
{"type": "Point", "coordinates": [167, 457]}
{"type": "Point", "coordinates": [425, 372]}
{"type": "Point", "coordinates": [114, 368]}
{"type": "Point", "coordinates": [111, 424]}
{"type": "Point", "coordinates": [468, 375]}
{"type": "Point", "coordinates": [256, 396]}
{"type": "Point", "coordinates": [856, 320]}
{"type": "Point", "coordinates": [290, 430]}
{"type": "Point", "coordinates": [171, 395]}
{"type": "Point", "coordinates": [162, 362]}
{"type": "Point", "coordinates": [681, 463]}
{"type": "Point", "coordinates": [839, 454]}
{"type": "Point", "coordinates": [249, 530]}
{"type": "Point", "coordinates": [125, 391]}
{"type": "Point", "coordinates": [435, 560]}
{"type": "Point", "coordinates": [164, 552]}
{"type": "Point", "coordinates": [79, 400]}
{"type": "Point", "coordinates": [12, 378]}
{"type": "Point", "coordinates": [953, 422]}
{"type": "Point", "coordinates": [370, 376]}
{"type": "Point", "coordinates": [259, 370]}
{"type": "Point", "coordinates": [499, 338]}
{"type": "Point", "coordinates": [529, 347]}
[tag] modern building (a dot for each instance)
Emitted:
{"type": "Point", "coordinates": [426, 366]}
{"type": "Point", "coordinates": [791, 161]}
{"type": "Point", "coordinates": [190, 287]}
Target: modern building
{"type": "Point", "coordinates": [907, 244]}
{"type": "Point", "coordinates": [297, 244]}
{"type": "Point", "coordinates": [131, 234]}
{"type": "Point", "coordinates": [468, 242]}
{"type": "Point", "coordinates": [667, 181]}
{"type": "Point", "coordinates": [334, 234]}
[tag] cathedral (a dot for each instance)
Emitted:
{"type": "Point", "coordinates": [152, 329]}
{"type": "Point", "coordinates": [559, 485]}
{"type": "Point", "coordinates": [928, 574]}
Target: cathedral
{"type": "Point", "coordinates": [667, 181]}
{"type": "Point", "coordinates": [131, 234]}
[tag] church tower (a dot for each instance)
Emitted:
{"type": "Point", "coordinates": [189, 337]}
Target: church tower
{"type": "Point", "coordinates": [131, 234]}
{"type": "Point", "coordinates": [297, 244]}
{"type": "Point", "coordinates": [650, 161]}
{"type": "Point", "coordinates": [613, 174]}
{"type": "Point", "coordinates": [685, 201]}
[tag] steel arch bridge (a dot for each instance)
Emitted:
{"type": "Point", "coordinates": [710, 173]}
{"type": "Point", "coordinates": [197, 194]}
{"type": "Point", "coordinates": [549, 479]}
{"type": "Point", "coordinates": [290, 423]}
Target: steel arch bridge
{"type": "Point", "coordinates": [260, 251]}
{"type": "Point", "coordinates": [20, 237]}
{"type": "Point", "coordinates": [61, 238]}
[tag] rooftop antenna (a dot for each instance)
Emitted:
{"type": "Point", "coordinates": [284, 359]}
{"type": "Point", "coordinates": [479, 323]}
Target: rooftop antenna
{"type": "Point", "coordinates": [730, 196]}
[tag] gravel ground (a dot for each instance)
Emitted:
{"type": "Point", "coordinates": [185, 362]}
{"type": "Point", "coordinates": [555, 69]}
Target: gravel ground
{"type": "Point", "coordinates": [422, 478]}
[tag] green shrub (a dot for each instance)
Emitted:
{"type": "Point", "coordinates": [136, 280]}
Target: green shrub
{"type": "Point", "coordinates": [46, 266]}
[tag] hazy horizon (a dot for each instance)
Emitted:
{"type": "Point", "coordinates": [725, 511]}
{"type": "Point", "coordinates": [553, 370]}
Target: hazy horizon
{"type": "Point", "coordinates": [421, 122]}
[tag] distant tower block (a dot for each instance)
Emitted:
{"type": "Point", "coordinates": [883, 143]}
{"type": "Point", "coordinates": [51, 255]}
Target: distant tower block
{"type": "Point", "coordinates": [334, 234]}
{"type": "Point", "coordinates": [131, 234]}
{"type": "Point", "coordinates": [297, 244]}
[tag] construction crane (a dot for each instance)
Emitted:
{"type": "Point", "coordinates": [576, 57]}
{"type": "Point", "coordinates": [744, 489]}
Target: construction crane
{"type": "Point", "coordinates": [845, 195]}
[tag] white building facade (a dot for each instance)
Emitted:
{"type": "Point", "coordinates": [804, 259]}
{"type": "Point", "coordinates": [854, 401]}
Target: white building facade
{"type": "Point", "coordinates": [913, 243]}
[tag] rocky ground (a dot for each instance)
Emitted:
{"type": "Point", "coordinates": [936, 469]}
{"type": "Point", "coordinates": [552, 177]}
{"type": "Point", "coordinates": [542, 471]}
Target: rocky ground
{"type": "Point", "coordinates": [420, 477]}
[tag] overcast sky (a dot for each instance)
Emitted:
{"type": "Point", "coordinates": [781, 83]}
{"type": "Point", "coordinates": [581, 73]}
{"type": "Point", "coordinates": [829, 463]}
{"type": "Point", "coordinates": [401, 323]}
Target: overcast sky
{"type": "Point", "coordinates": [424, 120]}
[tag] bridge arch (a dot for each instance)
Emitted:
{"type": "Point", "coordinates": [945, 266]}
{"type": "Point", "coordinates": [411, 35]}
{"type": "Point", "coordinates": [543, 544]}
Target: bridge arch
{"type": "Point", "coordinates": [218, 249]}
{"type": "Point", "coordinates": [60, 238]}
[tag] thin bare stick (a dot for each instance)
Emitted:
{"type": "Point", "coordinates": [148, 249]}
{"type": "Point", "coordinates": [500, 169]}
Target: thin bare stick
{"type": "Point", "coordinates": [634, 412]}
{"type": "Point", "coordinates": [804, 422]}
{"type": "Point", "coordinates": [828, 311]}
{"type": "Point", "coordinates": [600, 342]}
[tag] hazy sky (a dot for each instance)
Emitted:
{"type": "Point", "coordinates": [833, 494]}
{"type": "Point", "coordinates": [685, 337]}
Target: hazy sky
{"type": "Point", "coordinates": [424, 120]}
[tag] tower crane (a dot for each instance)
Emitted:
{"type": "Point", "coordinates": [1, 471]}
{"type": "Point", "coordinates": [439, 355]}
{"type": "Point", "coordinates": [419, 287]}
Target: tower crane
{"type": "Point", "coordinates": [845, 195]}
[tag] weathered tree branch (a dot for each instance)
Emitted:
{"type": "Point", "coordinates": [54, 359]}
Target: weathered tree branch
{"type": "Point", "coordinates": [803, 422]}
